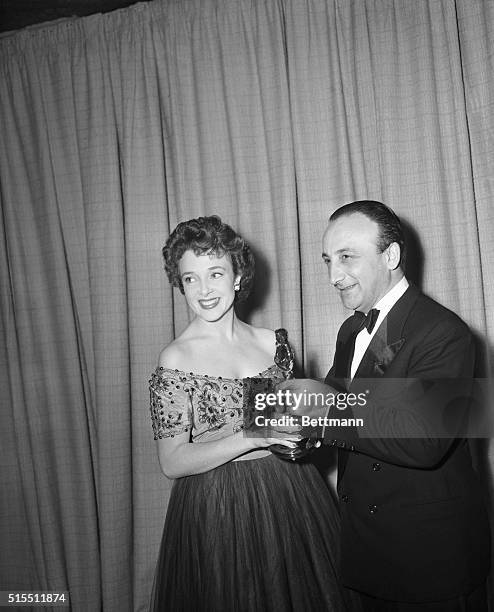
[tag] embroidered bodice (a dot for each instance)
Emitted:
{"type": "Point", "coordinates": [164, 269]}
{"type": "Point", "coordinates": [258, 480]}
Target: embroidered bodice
{"type": "Point", "coordinates": [209, 407]}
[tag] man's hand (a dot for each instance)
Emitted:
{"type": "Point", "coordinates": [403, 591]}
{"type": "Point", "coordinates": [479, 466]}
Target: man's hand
{"type": "Point", "coordinates": [304, 397]}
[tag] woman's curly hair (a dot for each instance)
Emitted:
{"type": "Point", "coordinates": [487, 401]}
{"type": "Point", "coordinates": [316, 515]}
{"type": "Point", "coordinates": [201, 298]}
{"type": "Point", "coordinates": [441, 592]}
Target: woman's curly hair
{"type": "Point", "coordinates": [209, 235]}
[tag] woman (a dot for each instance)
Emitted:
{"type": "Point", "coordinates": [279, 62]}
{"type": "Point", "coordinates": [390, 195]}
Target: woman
{"type": "Point", "coordinates": [244, 530]}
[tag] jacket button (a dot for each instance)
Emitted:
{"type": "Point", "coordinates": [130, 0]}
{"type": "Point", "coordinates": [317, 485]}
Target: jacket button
{"type": "Point", "coordinates": [372, 508]}
{"type": "Point", "coordinates": [376, 467]}
{"type": "Point", "coordinates": [345, 498]}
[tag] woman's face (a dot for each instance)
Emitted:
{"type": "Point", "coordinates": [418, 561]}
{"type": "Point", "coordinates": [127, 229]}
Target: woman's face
{"type": "Point", "coordinates": [208, 283]}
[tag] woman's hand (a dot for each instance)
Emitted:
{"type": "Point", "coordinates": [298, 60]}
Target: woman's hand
{"type": "Point", "coordinates": [288, 439]}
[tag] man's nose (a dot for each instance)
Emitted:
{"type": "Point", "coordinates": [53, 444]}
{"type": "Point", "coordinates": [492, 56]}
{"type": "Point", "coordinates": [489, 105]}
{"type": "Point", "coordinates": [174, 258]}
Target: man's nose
{"type": "Point", "coordinates": [336, 274]}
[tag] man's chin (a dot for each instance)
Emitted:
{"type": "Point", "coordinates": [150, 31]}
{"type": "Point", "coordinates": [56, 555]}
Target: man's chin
{"type": "Point", "coordinates": [350, 298]}
{"type": "Point", "coordinates": [350, 304]}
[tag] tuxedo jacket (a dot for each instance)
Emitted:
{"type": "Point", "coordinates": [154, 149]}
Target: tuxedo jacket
{"type": "Point", "coordinates": [413, 521]}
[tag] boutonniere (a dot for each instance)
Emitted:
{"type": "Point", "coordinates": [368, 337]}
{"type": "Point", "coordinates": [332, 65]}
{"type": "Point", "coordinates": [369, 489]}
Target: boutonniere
{"type": "Point", "coordinates": [386, 356]}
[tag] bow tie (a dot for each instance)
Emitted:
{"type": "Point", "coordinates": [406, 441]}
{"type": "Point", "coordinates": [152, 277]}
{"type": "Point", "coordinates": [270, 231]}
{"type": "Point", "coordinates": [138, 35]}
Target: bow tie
{"type": "Point", "coordinates": [369, 320]}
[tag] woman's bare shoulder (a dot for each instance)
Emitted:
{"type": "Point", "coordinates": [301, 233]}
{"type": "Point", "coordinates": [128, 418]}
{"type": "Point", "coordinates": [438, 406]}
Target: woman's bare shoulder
{"type": "Point", "coordinates": [264, 337]}
{"type": "Point", "coordinates": [174, 355]}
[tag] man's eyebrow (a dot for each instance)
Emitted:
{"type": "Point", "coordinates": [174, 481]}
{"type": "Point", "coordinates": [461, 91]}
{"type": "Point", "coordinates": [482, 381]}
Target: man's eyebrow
{"type": "Point", "coordinates": [338, 252]}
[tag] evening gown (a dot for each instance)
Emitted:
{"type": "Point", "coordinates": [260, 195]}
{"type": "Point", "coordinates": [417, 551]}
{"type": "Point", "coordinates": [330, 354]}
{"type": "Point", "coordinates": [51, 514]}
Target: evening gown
{"type": "Point", "coordinates": [257, 535]}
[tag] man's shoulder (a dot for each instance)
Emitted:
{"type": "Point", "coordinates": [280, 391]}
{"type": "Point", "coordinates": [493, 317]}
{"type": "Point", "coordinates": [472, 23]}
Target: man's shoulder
{"type": "Point", "coordinates": [425, 311]}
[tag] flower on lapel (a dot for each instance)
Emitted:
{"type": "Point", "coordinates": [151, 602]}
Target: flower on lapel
{"type": "Point", "coordinates": [386, 355]}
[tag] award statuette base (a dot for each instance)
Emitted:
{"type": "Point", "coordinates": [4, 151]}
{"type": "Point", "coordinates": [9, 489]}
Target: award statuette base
{"type": "Point", "coordinates": [301, 451]}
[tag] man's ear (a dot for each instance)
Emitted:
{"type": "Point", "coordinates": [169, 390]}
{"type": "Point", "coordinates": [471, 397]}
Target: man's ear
{"type": "Point", "coordinates": [393, 254]}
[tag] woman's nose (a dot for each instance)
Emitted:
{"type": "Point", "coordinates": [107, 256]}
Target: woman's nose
{"type": "Point", "coordinates": [204, 288]}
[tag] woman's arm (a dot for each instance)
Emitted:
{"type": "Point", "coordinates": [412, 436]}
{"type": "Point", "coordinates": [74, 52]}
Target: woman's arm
{"type": "Point", "coordinates": [178, 457]}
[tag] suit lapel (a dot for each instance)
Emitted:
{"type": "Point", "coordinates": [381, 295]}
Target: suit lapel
{"type": "Point", "coordinates": [385, 344]}
{"type": "Point", "coordinates": [388, 339]}
{"type": "Point", "coordinates": [379, 354]}
{"type": "Point", "coordinates": [343, 356]}
{"type": "Point", "coordinates": [345, 345]}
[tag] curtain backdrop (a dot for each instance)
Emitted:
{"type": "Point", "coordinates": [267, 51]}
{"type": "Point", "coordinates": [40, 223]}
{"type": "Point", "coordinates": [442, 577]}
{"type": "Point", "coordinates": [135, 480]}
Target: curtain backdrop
{"type": "Point", "coordinates": [270, 113]}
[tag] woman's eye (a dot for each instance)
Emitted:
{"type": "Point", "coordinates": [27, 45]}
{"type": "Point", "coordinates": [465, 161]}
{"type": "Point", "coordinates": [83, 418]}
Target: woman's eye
{"type": "Point", "coordinates": [217, 274]}
{"type": "Point", "coordinates": [188, 279]}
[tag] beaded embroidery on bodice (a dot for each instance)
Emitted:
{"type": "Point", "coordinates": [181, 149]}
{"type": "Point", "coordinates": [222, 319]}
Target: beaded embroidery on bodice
{"type": "Point", "coordinates": [209, 407]}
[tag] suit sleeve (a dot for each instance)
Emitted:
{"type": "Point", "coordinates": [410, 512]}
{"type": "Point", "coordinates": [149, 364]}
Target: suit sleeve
{"type": "Point", "coordinates": [414, 421]}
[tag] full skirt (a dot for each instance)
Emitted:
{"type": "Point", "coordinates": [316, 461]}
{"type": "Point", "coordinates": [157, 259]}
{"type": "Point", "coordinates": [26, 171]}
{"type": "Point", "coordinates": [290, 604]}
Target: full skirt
{"type": "Point", "coordinates": [250, 536]}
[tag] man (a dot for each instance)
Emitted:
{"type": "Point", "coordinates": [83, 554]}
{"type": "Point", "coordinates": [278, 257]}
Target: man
{"type": "Point", "coordinates": [414, 531]}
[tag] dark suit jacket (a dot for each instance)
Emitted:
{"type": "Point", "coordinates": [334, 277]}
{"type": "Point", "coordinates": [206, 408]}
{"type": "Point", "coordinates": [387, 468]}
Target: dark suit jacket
{"type": "Point", "coordinates": [413, 522]}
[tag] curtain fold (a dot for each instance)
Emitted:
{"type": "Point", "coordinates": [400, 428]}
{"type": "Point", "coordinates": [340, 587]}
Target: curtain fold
{"type": "Point", "coordinates": [476, 35]}
{"type": "Point", "coordinates": [379, 89]}
{"type": "Point", "coordinates": [269, 113]}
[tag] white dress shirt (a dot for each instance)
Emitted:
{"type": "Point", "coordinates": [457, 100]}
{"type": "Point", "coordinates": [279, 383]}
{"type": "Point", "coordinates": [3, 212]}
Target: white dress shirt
{"type": "Point", "coordinates": [384, 306]}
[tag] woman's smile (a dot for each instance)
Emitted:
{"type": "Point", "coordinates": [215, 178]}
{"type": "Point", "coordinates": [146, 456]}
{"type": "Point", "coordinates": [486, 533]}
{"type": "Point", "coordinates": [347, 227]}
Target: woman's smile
{"type": "Point", "coordinates": [209, 303]}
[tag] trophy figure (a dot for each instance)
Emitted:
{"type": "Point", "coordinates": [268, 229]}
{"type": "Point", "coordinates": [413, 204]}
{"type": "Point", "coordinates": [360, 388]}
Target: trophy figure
{"type": "Point", "coordinates": [285, 360]}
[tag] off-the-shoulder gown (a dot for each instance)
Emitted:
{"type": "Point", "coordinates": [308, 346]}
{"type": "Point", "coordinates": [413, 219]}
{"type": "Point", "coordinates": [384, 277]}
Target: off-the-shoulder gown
{"type": "Point", "coordinates": [248, 536]}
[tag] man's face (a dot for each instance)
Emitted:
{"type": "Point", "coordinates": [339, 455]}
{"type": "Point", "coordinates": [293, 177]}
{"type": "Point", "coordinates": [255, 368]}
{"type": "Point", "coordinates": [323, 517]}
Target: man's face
{"type": "Point", "coordinates": [357, 269]}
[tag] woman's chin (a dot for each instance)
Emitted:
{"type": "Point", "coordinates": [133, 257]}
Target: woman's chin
{"type": "Point", "coordinates": [210, 316]}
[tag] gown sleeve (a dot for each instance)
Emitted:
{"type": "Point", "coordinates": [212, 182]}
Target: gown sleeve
{"type": "Point", "coordinates": [170, 404]}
